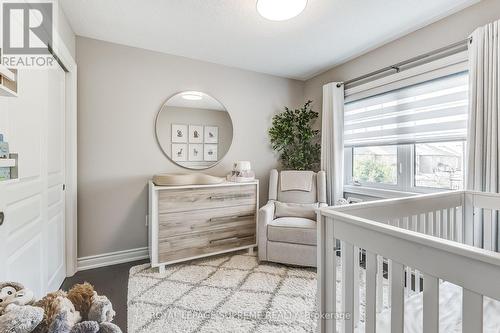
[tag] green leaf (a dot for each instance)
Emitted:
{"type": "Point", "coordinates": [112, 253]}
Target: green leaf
{"type": "Point", "coordinates": [293, 136]}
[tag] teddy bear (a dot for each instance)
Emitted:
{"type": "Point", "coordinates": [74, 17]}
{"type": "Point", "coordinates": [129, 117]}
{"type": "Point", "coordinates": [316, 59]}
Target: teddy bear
{"type": "Point", "coordinates": [17, 315]}
{"type": "Point", "coordinates": [13, 292]}
{"type": "Point", "coordinates": [20, 319]}
{"type": "Point", "coordinates": [53, 305]}
{"type": "Point", "coordinates": [93, 308]}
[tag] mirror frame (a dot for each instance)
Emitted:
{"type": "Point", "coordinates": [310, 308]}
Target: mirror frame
{"type": "Point", "coordinates": [158, 139]}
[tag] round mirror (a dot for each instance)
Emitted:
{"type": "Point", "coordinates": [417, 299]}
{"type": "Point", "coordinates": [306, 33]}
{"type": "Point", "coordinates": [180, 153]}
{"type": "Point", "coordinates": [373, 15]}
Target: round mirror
{"type": "Point", "coordinates": [194, 130]}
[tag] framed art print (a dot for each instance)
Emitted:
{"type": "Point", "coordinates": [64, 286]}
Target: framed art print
{"type": "Point", "coordinates": [210, 152]}
{"type": "Point", "coordinates": [195, 134]}
{"type": "Point", "coordinates": [179, 152]}
{"type": "Point", "coordinates": [211, 134]}
{"type": "Point", "coordinates": [195, 152]}
{"type": "Point", "coordinates": [179, 133]}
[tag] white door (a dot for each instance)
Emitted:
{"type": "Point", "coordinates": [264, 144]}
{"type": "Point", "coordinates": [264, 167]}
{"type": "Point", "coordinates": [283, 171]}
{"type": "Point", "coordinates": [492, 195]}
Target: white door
{"type": "Point", "coordinates": [32, 237]}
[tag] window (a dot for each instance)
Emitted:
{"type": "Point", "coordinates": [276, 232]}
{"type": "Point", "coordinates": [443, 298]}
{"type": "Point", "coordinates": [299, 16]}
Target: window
{"type": "Point", "coordinates": [440, 165]}
{"type": "Point", "coordinates": [375, 164]}
{"type": "Point", "coordinates": [410, 139]}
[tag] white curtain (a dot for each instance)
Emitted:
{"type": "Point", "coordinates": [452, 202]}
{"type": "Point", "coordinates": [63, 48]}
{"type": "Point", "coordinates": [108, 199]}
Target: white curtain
{"type": "Point", "coordinates": [482, 137]}
{"type": "Point", "coordinates": [332, 140]}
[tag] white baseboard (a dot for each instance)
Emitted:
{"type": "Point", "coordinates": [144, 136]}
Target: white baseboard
{"type": "Point", "coordinates": [112, 258]}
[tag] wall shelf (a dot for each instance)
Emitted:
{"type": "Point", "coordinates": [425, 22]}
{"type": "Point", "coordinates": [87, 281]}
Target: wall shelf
{"type": "Point", "coordinates": [7, 162]}
{"type": "Point", "coordinates": [8, 81]}
{"type": "Point", "coordinates": [12, 163]}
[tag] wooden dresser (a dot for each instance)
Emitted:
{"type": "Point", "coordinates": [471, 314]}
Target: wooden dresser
{"type": "Point", "coordinates": [194, 221]}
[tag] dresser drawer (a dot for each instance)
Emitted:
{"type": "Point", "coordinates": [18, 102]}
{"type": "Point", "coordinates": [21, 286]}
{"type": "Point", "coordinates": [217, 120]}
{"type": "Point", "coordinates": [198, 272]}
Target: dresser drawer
{"type": "Point", "coordinates": [174, 224]}
{"type": "Point", "coordinates": [200, 243]}
{"type": "Point", "coordinates": [190, 199]}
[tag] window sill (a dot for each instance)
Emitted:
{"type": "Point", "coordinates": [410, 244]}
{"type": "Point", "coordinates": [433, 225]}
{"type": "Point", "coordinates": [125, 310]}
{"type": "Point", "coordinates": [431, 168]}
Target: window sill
{"type": "Point", "coordinates": [377, 192]}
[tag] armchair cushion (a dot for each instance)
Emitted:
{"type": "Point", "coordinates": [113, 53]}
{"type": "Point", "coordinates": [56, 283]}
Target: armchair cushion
{"type": "Point", "coordinates": [307, 211]}
{"type": "Point", "coordinates": [296, 230]}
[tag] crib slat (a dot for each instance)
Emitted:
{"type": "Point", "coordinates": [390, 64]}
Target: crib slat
{"type": "Point", "coordinates": [488, 229]}
{"type": "Point", "coordinates": [357, 253]}
{"type": "Point", "coordinates": [421, 223]}
{"type": "Point", "coordinates": [428, 224]}
{"type": "Point", "coordinates": [431, 304]}
{"type": "Point", "coordinates": [468, 220]}
{"type": "Point", "coordinates": [397, 297]}
{"type": "Point", "coordinates": [380, 284]}
{"type": "Point", "coordinates": [348, 285]}
{"type": "Point", "coordinates": [436, 219]}
{"type": "Point", "coordinates": [452, 213]}
{"type": "Point", "coordinates": [327, 270]}
{"type": "Point", "coordinates": [417, 281]}
{"type": "Point", "coordinates": [371, 289]}
{"type": "Point", "coordinates": [408, 281]}
{"type": "Point", "coordinates": [472, 312]}
{"type": "Point", "coordinates": [389, 277]}
{"type": "Point", "coordinates": [445, 223]}
{"type": "Point", "coordinates": [459, 222]}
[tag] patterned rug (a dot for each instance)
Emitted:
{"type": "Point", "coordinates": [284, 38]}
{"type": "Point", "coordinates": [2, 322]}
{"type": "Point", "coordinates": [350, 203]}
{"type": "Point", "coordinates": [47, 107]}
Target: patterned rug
{"type": "Point", "coordinates": [230, 293]}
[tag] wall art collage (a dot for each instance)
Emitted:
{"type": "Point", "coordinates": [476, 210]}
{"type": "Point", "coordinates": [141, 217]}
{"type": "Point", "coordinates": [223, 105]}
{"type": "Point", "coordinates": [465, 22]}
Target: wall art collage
{"type": "Point", "coordinates": [194, 143]}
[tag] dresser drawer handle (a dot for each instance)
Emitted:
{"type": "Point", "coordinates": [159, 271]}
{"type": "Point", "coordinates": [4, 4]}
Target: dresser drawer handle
{"type": "Point", "coordinates": [230, 218]}
{"type": "Point", "coordinates": [224, 240]}
{"type": "Point", "coordinates": [230, 197]}
{"type": "Point", "coordinates": [230, 239]}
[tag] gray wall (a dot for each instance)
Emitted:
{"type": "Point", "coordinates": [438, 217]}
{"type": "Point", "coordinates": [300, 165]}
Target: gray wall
{"type": "Point", "coordinates": [444, 32]}
{"type": "Point", "coordinates": [120, 90]}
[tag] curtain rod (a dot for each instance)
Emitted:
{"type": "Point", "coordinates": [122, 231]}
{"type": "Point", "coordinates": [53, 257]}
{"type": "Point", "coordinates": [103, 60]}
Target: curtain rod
{"type": "Point", "coordinates": [398, 66]}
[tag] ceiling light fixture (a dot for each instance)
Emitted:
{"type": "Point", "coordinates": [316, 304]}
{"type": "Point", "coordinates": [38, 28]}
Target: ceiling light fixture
{"type": "Point", "coordinates": [192, 96]}
{"type": "Point", "coordinates": [280, 10]}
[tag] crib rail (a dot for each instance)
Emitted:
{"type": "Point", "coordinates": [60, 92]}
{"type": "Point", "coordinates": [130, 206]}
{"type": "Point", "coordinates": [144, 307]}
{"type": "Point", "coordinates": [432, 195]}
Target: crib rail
{"type": "Point", "coordinates": [421, 236]}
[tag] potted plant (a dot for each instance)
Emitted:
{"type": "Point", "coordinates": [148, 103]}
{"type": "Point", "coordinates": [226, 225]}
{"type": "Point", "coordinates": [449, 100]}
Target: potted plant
{"type": "Point", "coordinates": [294, 138]}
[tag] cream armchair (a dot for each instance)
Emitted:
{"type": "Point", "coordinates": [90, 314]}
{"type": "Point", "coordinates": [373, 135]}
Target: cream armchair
{"type": "Point", "coordinates": [287, 223]}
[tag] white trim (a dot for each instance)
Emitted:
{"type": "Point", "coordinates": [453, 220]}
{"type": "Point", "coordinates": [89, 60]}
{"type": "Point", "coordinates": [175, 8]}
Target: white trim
{"type": "Point", "coordinates": [71, 215]}
{"type": "Point", "coordinates": [71, 210]}
{"type": "Point", "coordinates": [112, 258]}
{"type": "Point", "coordinates": [377, 192]}
{"type": "Point", "coordinates": [453, 64]}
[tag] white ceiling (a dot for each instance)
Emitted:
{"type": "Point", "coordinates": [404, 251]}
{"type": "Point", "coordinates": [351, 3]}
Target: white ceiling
{"type": "Point", "coordinates": [232, 33]}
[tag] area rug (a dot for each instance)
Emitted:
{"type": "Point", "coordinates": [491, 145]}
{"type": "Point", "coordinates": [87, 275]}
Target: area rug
{"type": "Point", "coordinates": [230, 293]}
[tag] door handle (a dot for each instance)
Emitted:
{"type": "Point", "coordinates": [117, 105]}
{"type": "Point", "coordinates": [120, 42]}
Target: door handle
{"type": "Point", "coordinates": [2, 216]}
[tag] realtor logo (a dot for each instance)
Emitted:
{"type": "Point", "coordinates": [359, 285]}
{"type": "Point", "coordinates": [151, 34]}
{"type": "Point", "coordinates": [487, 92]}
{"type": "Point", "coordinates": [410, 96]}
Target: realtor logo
{"type": "Point", "coordinates": [27, 27]}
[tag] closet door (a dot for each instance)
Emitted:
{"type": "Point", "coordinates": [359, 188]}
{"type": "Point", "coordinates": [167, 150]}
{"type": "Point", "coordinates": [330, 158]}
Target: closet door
{"type": "Point", "coordinates": [56, 270]}
{"type": "Point", "coordinates": [32, 235]}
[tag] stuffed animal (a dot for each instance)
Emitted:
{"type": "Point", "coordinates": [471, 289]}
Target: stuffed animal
{"type": "Point", "coordinates": [20, 318]}
{"type": "Point", "coordinates": [91, 305]}
{"type": "Point", "coordinates": [81, 295]}
{"type": "Point", "coordinates": [94, 308]}
{"type": "Point", "coordinates": [53, 305]}
{"type": "Point", "coordinates": [60, 325]}
{"type": "Point", "coordinates": [58, 312]}
{"type": "Point", "coordinates": [14, 293]}
{"type": "Point", "coordinates": [17, 315]}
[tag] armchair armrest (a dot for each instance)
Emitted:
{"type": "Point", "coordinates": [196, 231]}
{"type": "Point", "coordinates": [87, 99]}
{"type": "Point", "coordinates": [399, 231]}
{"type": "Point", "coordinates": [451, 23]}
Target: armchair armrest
{"type": "Point", "coordinates": [266, 215]}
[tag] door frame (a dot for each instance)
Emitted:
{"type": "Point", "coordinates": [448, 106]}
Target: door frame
{"type": "Point", "coordinates": [65, 59]}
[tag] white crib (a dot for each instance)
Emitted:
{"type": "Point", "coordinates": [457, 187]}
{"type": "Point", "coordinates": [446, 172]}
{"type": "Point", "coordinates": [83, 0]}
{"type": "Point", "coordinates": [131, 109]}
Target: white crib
{"type": "Point", "coordinates": [417, 237]}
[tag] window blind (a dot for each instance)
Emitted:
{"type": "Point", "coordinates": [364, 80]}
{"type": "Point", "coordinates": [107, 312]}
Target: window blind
{"type": "Point", "coordinates": [432, 111]}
